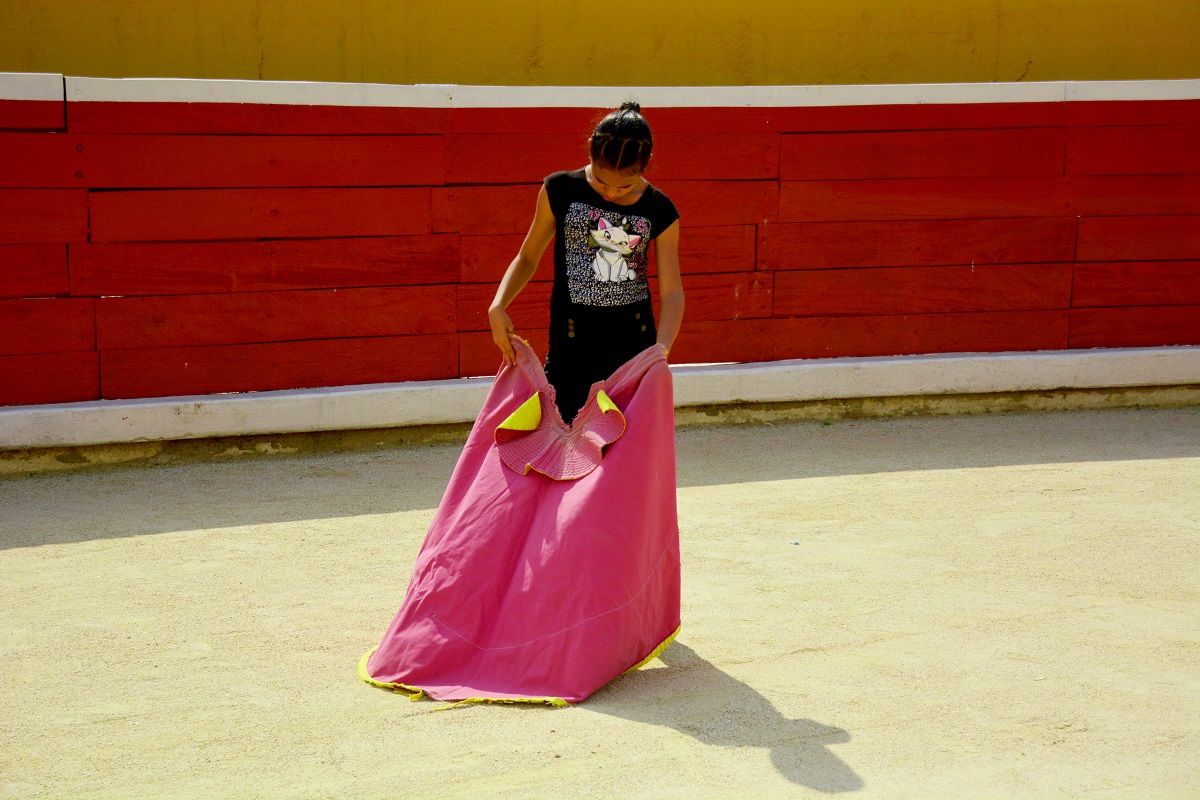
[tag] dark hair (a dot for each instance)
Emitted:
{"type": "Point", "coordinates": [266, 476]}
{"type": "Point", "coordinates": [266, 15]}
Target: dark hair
{"type": "Point", "coordinates": [622, 140]}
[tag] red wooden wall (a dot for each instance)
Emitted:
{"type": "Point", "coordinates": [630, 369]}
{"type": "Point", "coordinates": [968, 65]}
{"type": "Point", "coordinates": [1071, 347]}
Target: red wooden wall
{"type": "Point", "coordinates": [154, 249]}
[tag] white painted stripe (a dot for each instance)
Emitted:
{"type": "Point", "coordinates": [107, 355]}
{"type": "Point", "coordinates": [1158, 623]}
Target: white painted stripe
{"type": "Point", "coordinates": [186, 90]}
{"type": "Point", "coordinates": [1134, 90]}
{"type": "Point", "coordinates": [754, 96]}
{"type": "Point", "coordinates": [946, 373]}
{"type": "Point", "coordinates": [297, 93]}
{"type": "Point", "coordinates": [31, 86]}
{"type": "Point", "coordinates": [449, 401]}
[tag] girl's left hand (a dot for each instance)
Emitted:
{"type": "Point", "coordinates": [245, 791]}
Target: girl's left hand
{"type": "Point", "coordinates": [502, 330]}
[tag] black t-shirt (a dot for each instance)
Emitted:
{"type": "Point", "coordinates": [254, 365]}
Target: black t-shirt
{"type": "Point", "coordinates": [600, 248]}
{"type": "Point", "coordinates": [601, 313]}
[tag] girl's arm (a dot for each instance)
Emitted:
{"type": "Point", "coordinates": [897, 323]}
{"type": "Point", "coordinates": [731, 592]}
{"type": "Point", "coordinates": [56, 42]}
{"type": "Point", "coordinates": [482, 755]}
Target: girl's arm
{"type": "Point", "coordinates": [541, 231]}
{"type": "Point", "coordinates": [670, 285]}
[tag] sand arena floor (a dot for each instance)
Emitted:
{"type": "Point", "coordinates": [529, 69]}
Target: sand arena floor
{"type": "Point", "coordinates": [998, 606]}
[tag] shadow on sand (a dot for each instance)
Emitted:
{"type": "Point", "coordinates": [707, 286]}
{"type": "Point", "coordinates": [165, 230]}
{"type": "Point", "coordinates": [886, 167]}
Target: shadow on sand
{"type": "Point", "coordinates": [694, 697]}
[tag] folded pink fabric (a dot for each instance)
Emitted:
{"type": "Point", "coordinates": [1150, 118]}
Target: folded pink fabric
{"type": "Point", "coordinates": [552, 563]}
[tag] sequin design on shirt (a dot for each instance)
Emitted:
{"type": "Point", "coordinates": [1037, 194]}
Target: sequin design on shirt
{"type": "Point", "coordinates": [605, 255]}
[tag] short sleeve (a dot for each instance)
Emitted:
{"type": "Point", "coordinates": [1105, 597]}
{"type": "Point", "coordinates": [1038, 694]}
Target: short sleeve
{"type": "Point", "coordinates": [667, 213]}
{"type": "Point", "coordinates": [554, 191]}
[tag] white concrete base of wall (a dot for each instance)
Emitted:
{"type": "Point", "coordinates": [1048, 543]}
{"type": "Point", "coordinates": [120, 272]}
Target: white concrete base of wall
{"type": "Point", "coordinates": [411, 403]}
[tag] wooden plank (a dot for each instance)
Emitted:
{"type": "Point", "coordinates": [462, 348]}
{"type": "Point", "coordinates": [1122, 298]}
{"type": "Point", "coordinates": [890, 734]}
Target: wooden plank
{"type": "Point", "coordinates": [1147, 326]}
{"type": "Point", "coordinates": [714, 154]}
{"type": "Point", "coordinates": [175, 161]}
{"type": "Point", "coordinates": [819, 118]}
{"type": "Point", "coordinates": [43, 215]}
{"type": "Point", "coordinates": [722, 340]}
{"type": "Point", "coordinates": [578, 122]}
{"type": "Point", "coordinates": [914, 243]}
{"type": "Point", "coordinates": [196, 268]}
{"type": "Point", "coordinates": [1133, 194]}
{"type": "Point", "coordinates": [922, 290]}
{"type": "Point", "coordinates": [31, 115]}
{"type": "Point", "coordinates": [152, 117]}
{"type": "Point", "coordinates": [932, 116]}
{"type": "Point", "coordinates": [479, 355]}
{"type": "Point", "coordinates": [33, 270]}
{"type": "Point", "coordinates": [734, 295]}
{"type": "Point", "coordinates": [907, 334]}
{"type": "Point", "coordinates": [258, 118]}
{"type": "Point", "coordinates": [918, 198]}
{"type": "Point", "coordinates": [475, 210]}
{"type": "Point", "coordinates": [40, 161]}
{"type": "Point", "coordinates": [734, 120]}
{"type": "Point", "coordinates": [210, 319]}
{"type": "Point", "coordinates": [1132, 112]}
{"type": "Point", "coordinates": [511, 157]}
{"type": "Point", "coordinates": [1138, 238]}
{"type": "Point", "coordinates": [977, 198]}
{"type": "Point", "coordinates": [169, 371]}
{"type": "Point", "coordinates": [485, 258]}
{"type": "Point", "coordinates": [35, 378]}
{"type": "Point", "coordinates": [721, 203]}
{"type": "Point", "coordinates": [1133, 150]}
{"type": "Point", "coordinates": [728, 248]}
{"type": "Point", "coordinates": [530, 309]}
{"type": "Point", "coordinates": [529, 157]}
{"type": "Point", "coordinates": [47, 325]}
{"type": "Point", "coordinates": [135, 161]}
{"type": "Point", "coordinates": [1138, 283]}
{"type": "Point", "coordinates": [212, 214]}
{"type": "Point", "coordinates": [1011, 152]}
{"type": "Point", "coordinates": [768, 119]}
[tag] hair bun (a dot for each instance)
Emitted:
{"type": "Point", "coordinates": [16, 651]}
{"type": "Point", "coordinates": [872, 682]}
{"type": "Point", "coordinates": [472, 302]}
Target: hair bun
{"type": "Point", "coordinates": [622, 139]}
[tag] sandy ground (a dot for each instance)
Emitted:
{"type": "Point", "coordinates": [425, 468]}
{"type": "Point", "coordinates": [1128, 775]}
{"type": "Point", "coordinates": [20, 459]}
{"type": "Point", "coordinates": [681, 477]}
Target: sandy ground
{"type": "Point", "coordinates": [1001, 606]}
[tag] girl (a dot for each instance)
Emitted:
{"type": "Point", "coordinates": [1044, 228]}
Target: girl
{"type": "Point", "coordinates": [603, 217]}
{"type": "Point", "coordinates": [552, 563]}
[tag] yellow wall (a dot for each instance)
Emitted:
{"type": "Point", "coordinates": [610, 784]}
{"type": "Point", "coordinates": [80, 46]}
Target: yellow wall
{"type": "Point", "coordinates": [640, 42]}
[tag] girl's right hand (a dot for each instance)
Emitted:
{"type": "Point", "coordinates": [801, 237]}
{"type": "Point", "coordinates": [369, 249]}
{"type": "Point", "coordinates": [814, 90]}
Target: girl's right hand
{"type": "Point", "coordinates": [502, 329]}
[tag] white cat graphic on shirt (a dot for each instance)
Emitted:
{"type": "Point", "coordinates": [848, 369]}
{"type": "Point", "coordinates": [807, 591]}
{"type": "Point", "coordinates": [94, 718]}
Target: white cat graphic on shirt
{"type": "Point", "coordinates": [613, 243]}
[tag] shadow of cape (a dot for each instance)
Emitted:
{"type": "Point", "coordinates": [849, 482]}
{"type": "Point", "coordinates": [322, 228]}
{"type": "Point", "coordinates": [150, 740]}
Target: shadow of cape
{"type": "Point", "coordinates": [694, 697]}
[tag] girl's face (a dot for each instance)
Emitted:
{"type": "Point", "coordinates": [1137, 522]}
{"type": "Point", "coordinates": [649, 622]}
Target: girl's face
{"type": "Point", "coordinates": [614, 186]}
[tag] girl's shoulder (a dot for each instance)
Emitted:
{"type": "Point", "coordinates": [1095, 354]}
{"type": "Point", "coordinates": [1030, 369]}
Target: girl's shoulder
{"type": "Point", "coordinates": [663, 206]}
{"type": "Point", "coordinates": [658, 193]}
{"type": "Point", "coordinates": [564, 182]}
{"type": "Point", "coordinates": [564, 176]}
{"type": "Point", "coordinates": [562, 186]}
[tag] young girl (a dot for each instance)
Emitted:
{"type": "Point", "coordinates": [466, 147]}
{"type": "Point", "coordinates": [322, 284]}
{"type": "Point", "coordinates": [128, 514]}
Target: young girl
{"type": "Point", "coordinates": [552, 563]}
{"type": "Point", "coordinates": [603, 218]}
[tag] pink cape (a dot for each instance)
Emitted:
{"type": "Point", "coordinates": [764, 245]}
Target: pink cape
{"type": "Point", "coordinates": [552, 563]}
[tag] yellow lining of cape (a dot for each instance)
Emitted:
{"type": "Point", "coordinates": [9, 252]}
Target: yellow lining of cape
{"type": "Point", "coordinates": [605, 402]}
{"type": "Point", "coordinates": [528, 415]}
{"type": "Point", "coordinates": [526, 418]}
{"type": "Point", "coordinates": [416, 694]}
{"type": "Point", "coordinates": [656, 652]}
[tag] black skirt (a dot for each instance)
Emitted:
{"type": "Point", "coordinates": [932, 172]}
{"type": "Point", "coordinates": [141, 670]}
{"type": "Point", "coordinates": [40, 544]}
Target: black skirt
{"type": "Point", "coordinates": [588, 343]}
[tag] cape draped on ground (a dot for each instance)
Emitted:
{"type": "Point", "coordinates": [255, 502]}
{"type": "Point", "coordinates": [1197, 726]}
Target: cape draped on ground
{"type": "Point", "coordinates": [551, 565]}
